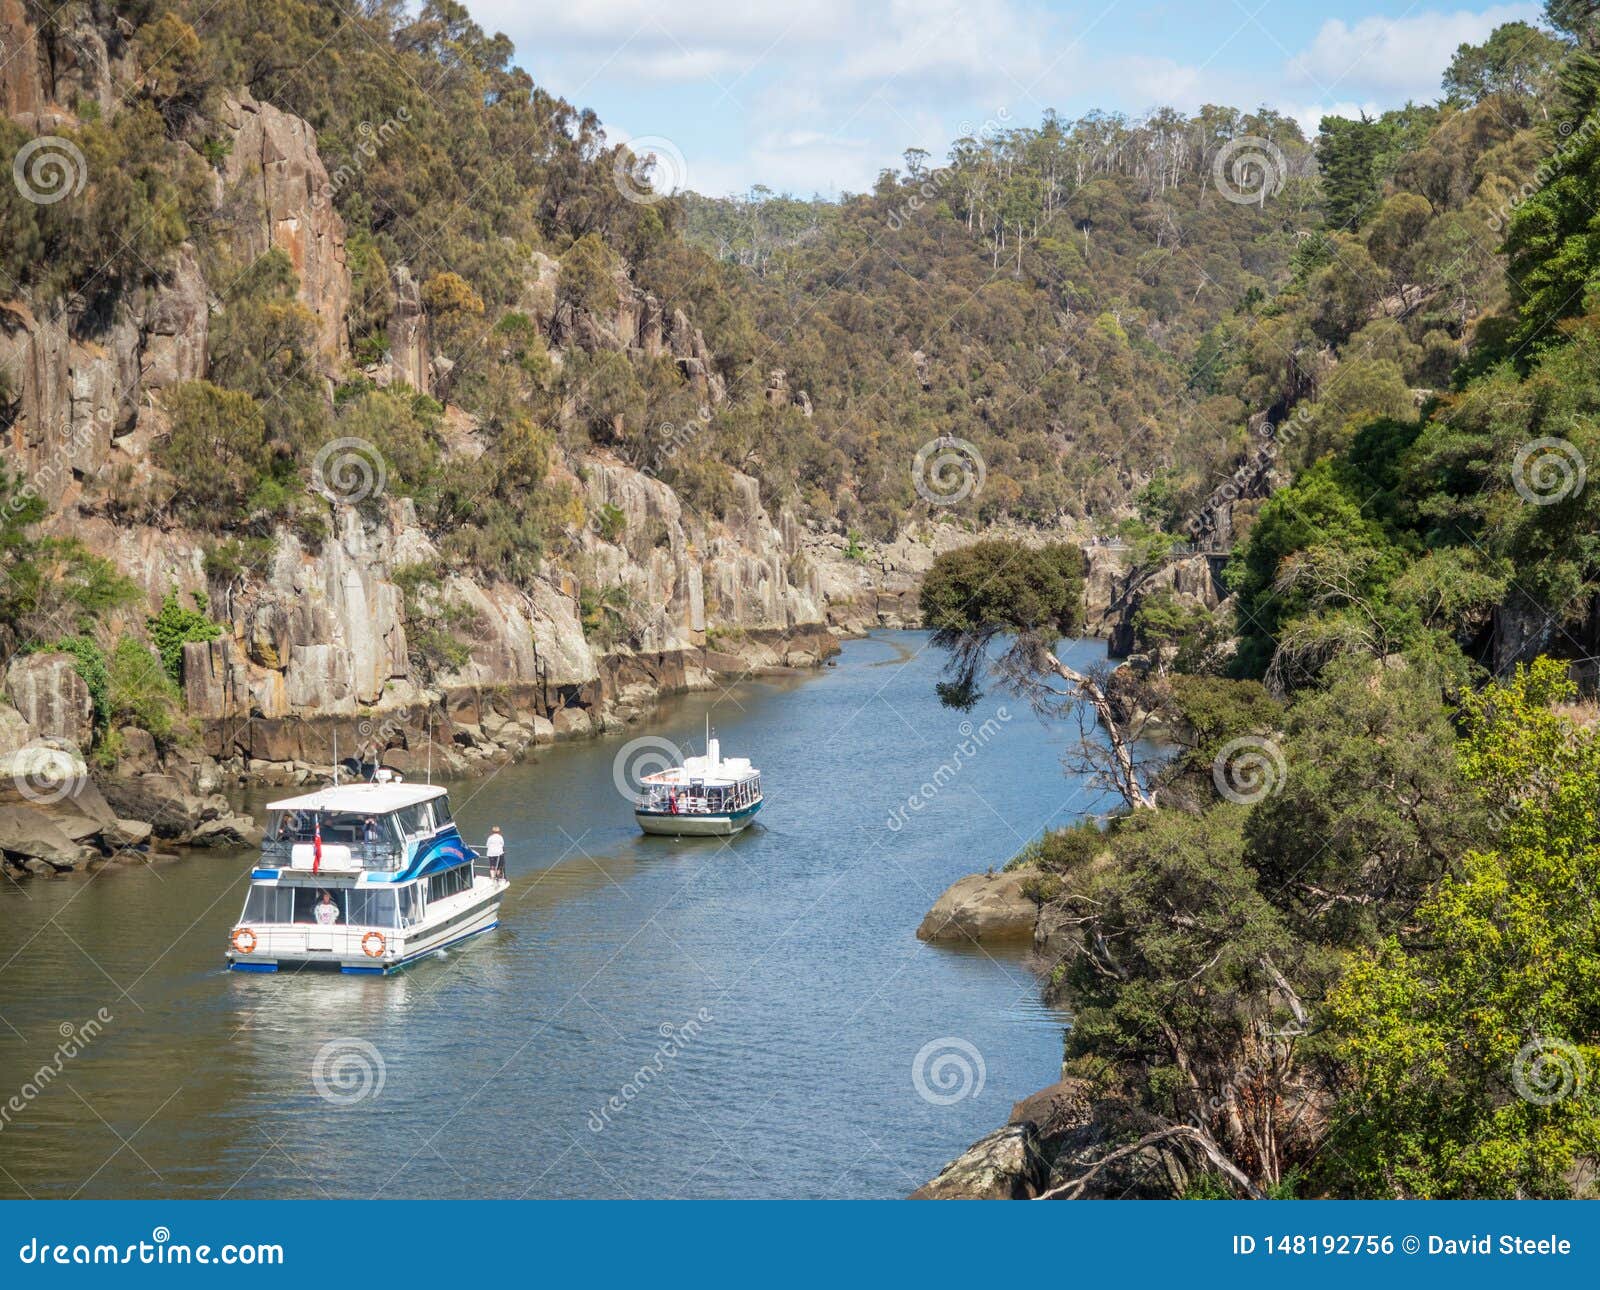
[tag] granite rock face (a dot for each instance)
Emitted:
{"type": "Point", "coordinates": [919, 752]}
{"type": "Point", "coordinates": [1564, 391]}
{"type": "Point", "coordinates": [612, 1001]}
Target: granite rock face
{"type": "Point", "coordinates": [409, 352]}
{"type": "Point", "coordinates": [275, 168]}
{"type": "Point", "coordinates": [47, 692]}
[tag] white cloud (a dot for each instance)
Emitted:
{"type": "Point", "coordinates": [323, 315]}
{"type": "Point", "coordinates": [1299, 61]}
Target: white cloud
{"type": "Point", "coordinates": [1393, 58]}
{"type": "Point", "coordinates": [819, 95]}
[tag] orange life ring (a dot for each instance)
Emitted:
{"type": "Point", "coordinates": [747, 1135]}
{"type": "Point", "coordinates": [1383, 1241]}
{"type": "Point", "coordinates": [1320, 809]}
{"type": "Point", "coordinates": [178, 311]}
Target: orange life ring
{"type": "Point", "coordinates": [244, 940]}
{"type": "Point", "coordinates": [366, 944]}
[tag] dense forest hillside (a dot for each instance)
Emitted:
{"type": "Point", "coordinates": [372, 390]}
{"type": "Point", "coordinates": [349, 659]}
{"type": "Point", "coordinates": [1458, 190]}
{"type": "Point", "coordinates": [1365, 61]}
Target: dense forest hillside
{"type": "Point", "coordinates": [1341, 942]}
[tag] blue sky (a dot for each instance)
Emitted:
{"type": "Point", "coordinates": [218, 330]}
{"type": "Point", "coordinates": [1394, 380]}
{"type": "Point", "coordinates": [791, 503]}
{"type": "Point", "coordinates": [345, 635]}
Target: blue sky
{"type": "Point", "coordinates": [818, 95]}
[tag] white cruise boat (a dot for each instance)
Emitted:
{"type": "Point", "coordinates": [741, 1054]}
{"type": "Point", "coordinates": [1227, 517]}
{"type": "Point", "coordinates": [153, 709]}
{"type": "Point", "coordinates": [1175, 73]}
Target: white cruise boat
{"type": "Point", "coordinates": [363, 878]}
{"type": "Point", "coordinates": [705, 797]}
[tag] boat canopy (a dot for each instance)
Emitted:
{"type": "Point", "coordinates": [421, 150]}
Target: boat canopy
{"type": "Point", "coordinates": [360, 799]}
{"type": "Point", "coordinates": [700, 770]}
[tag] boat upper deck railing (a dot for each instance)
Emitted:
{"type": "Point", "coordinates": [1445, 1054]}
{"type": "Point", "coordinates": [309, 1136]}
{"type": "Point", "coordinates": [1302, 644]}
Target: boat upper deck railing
{"type": "Point", "coordinates": [298, 852]}
{"type": "Point", "coordinates": [677, 800]}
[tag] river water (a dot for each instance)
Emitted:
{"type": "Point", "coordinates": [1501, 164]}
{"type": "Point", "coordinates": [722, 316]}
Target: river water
{"type": "Point", "coordinates": [654, 1017]}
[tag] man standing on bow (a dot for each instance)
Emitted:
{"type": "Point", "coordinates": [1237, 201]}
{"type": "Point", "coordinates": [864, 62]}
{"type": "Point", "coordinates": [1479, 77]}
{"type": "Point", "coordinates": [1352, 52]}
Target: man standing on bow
{"type": "Point", "coordinates": [495, 849]}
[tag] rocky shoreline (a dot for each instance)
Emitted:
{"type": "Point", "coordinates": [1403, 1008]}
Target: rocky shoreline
{"type": "Point", "coordinates": [59, 815]}
{"type": "Point", "coordinates": [1058, 1142]}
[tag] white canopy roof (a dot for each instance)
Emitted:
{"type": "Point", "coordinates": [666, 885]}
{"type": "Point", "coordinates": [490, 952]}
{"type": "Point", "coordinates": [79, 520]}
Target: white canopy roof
{"type": "Point", "coordinates": [719, 773]}
{"type": "Point", "coordinates": [361, 799]}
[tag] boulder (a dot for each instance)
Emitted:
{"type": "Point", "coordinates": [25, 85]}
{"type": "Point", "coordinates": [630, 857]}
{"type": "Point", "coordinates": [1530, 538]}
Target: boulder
{"type": "Point", "coordinates": [173, 812]}
{"type": "Point", "coordinates": [45, 772]}
{"type": "Point", "coordinates": [51, 697]}
{"type": "Point", "coordinates": [1161, 1171]}
{"type": "Point", "coordinates": [982, 907]}
{"type": "Point", "coordinates": [571, 722]}
{"type": "Point", "coordinates": [31, 832]}
{"type": "Point", "coordinates": [128, 833]}
{"type": "Point", "coordinates": [15, 732]}
{"type": "Point", "coordinates": [138, 751]}
{"type": "Point", "coordinates": [228, 831]}
{"type": "Point", "coordinates": [1005, 1165]}
{"type": "Point", "coordinates": [1056, 1109]}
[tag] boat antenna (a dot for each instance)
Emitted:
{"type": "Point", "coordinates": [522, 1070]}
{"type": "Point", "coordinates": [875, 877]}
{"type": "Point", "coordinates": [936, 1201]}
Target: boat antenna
{"type": "Point", "coordinates": [336, 756]}
{"type": "Point", "coordinates": [430, 744]}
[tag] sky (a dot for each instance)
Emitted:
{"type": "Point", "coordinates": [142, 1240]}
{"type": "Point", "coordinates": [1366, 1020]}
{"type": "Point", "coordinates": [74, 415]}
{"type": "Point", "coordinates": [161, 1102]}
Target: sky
{"type": "Point", "coordinates": [817, 96]}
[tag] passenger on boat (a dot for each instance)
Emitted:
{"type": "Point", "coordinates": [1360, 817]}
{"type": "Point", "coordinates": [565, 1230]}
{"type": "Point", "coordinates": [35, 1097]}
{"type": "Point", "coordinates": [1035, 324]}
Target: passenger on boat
{"type": "Point", "coordinates": [495, 849]}
{"type": "Point", "coordinates": [327, 911]}
{"type": "Point", "coordinates": [369, 833]}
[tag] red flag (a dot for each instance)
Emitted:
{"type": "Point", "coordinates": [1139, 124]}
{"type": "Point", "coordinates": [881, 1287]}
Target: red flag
{"type": "Point", "coordinates": [316, 846]}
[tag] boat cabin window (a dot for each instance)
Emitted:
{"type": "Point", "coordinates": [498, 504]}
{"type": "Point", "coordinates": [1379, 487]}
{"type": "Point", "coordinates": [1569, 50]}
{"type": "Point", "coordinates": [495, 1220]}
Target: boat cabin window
{"type": "Point", "coordinates": [416, 821]}
{"type": "Point", "coordinates": [410, 897]}
{"type": "Point", "coordinates": [450, 882]}
{"type": "Point", "coordinates": [374, 908]}
{"type": "Point", "coordinates": [295, 905]}
{"type": "Point", "coordinates": [356, 907]}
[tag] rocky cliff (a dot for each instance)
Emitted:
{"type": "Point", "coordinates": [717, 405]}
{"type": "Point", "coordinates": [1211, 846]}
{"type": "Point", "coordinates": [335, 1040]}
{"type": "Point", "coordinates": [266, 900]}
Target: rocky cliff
{"type": "Point", "coordinates": [316, 652]}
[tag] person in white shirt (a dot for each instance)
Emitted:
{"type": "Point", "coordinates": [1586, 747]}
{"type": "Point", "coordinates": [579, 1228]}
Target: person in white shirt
{"type": "Point", "coordinates": [495, 849]}
{"type": "Point", "coordinates": [327, 911]}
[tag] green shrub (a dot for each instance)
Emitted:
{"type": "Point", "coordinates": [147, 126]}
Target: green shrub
{"type": "Point", "coordinates": [141, 693]}
{"type": "Point", "coordinates": [176, 626]}
{"type": "Point", "coordinates": [216, 452]}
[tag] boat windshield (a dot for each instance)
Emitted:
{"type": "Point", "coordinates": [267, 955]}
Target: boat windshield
{"type": "Point", "coordinates": [375, 840]}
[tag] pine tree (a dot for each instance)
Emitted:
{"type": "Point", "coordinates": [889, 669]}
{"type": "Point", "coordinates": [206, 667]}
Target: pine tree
{"type": "Point", "coordinates": [1347, 155]}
